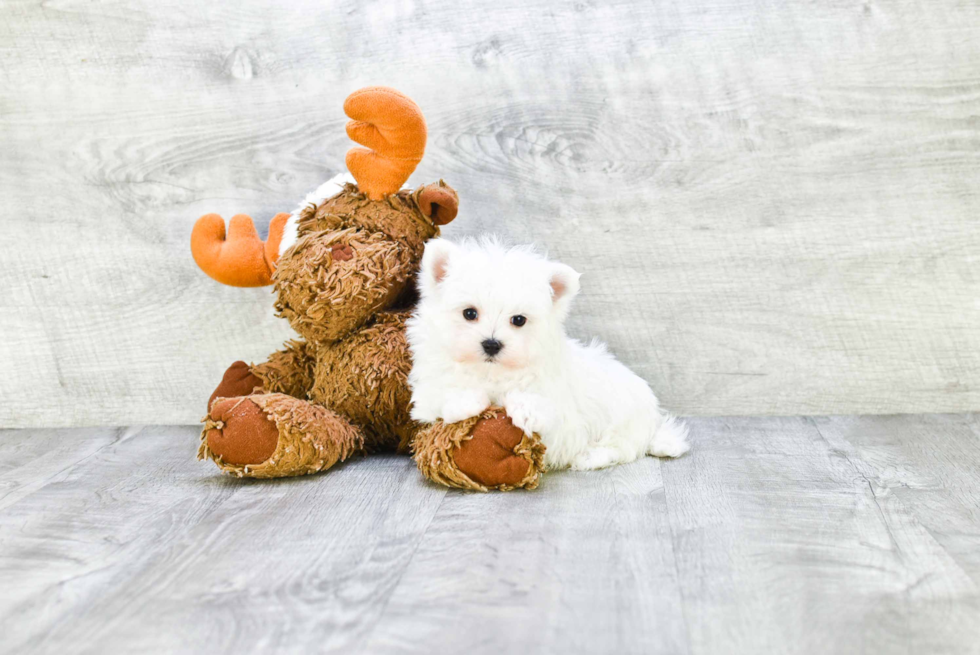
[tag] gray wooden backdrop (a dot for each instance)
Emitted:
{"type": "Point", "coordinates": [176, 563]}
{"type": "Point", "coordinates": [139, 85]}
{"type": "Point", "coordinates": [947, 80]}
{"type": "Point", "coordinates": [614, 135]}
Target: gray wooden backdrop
{"type": "Point", "coordinates": [775, 204]}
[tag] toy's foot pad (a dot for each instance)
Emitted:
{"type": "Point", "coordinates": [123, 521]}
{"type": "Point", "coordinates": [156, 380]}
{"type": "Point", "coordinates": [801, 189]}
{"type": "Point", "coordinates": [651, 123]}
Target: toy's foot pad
{"type": "Point", "coordinates": [489, 457]}
{"type": "Point", "coordinates": [481, 453]}
{"type": "Point", "coordinates": [242, 434]}
{"type": "Point", "coordinates": [237, 381]}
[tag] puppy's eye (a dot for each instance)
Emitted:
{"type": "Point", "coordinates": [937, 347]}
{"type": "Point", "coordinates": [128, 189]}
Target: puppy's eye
{"type": "Point", "coordinates": [518, 320]}
{"type": "Point", "coordinates": [470, 314]}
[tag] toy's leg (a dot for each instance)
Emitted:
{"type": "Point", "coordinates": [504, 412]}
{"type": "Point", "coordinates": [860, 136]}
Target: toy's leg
{"type": "Point", "coordinates": [481, 453]}
{"type": "Point", "coordinates": [272, 435]}
{"type": "Point", "coordinates": [289, 371]}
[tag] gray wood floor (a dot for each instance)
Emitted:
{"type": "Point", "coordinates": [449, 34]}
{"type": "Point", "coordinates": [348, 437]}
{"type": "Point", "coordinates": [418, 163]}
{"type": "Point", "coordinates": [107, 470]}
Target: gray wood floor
{"type": "Point", "coordinates": [783, 535]}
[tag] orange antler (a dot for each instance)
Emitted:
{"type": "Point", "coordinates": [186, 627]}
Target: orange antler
{"type": "Point", "coordinates": [241, 259]}
{"type": "Point", "coordinates": [392, 128]}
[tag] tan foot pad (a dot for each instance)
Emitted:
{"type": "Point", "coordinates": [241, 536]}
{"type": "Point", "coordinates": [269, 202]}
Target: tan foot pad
{"type": "Point", "coordinates": [481, 453]}
{"type": "Point", "coordinates": [242, 433]}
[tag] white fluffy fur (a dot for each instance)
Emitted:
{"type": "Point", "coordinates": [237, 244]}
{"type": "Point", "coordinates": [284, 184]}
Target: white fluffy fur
{"type": "Point", "coordinates": [590, 410]}
{"type": "Point", "coordinates": [328, 189]}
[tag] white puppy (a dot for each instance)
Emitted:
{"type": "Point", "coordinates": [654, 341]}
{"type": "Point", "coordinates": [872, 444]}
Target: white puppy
{"type": "Point", "coordinates": [489, 329]}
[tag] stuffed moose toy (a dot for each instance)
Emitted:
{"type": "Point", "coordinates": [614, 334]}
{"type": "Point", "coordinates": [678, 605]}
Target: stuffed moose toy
{"type": "Point", "coordinates": [343, 266]}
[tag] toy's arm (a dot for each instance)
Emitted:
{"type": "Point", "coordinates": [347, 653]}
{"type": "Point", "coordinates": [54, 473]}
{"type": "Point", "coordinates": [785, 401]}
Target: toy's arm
{"type": "Point", "coordinates": [288, 371]}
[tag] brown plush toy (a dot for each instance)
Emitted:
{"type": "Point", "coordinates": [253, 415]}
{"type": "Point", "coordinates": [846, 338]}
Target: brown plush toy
{"type": "Point", "coordinates": [344, 270]}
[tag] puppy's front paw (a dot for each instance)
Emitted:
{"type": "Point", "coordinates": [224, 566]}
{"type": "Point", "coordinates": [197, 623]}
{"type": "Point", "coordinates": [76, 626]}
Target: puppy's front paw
{"type": "Point", "coordinates": [461, 405]}
{"type": "Point", "coordinates": [530, 412]}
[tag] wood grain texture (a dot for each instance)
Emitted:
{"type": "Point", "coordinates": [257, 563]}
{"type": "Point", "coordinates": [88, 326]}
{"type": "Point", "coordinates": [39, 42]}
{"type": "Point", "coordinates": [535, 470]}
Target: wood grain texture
{"type": "Point", "coordinates": [146, 551]}
{"type": "Point", "coordinates": [926, 466]}
{"type": "Point", "coordinates": [587, 566]}
{"type": "Point", "coordinates": [775, 535]}
{"type": "Point", "coordinates": [774, 205]}
{"type": "Point", "coordinates": [785, 544]}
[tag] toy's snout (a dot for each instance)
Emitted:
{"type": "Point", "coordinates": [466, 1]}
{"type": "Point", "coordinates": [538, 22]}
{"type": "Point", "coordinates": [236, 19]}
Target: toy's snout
{"type": "Point", "coordinates": [331, 282]}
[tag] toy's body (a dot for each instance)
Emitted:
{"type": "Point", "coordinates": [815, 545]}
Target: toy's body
{"type": "Point", "coordinates": [344, 270]}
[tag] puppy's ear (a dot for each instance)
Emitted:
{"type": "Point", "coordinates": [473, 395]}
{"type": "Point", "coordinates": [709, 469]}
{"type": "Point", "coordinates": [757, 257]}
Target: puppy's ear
{"type": "Point", "coordinates": [435, 264]}
{"type": "Point", "coordinates": [564, 286]}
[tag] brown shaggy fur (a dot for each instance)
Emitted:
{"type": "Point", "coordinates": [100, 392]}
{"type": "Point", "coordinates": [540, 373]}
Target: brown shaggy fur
{"type": "Point", "coordinates": [324, 297]}
{"type": "Point", "coordinates": [289, 371]}
{"type": "Point", "coordinates": [365, 377]}
{"type": "Point", "coordinates": [346, 286]}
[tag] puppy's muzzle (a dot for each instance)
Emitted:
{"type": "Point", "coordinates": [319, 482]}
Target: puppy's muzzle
{"type": "Point", "coordinates": [491, 347]}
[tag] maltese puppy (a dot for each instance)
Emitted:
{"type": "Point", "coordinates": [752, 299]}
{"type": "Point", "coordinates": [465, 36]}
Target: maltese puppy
{"type": "Point", "coordinates": [490, 330]}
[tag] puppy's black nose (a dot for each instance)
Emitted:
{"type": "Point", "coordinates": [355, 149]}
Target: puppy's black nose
{"type": "Point", "coordinates": [491, 346]}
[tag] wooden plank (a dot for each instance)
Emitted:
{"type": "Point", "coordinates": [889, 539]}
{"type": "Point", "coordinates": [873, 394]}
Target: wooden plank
{"type": "Point", "coordinates": [929, 465]}
{"type": "Point", "coordinates": [783, 545]}
{"type": "Point", "coordinates": [774, 205]}
{"type": "Point", "coordinates": [138, 549]}
{"type": "Point", "coordinates": [779, 535]}
{"type": "Point", "coordinates": [32, 458]}
{"type": "Point", "coordinates": [585, 564]}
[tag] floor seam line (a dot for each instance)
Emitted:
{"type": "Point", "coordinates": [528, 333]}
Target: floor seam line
{"type": "Point", "coordinates": [401, 574]}
{"type": "Point", "coordinates": [673, 556]}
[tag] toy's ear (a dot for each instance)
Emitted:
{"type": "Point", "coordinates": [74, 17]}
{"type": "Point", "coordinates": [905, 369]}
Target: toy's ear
{"type": "Point", "coordinates": [435, 264]}
{"type": "Point", "coordinates": [438, 202]}
{"type": "Point", "coordinates": [564, 286]}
